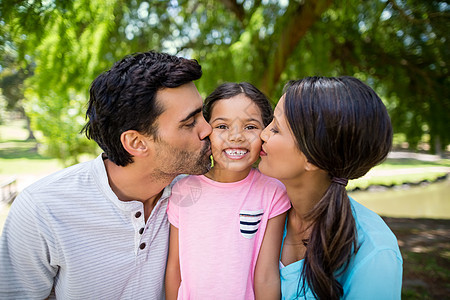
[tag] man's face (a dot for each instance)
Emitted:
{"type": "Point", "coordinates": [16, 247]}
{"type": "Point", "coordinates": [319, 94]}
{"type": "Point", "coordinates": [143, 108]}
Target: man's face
{"type": "Point", "coordinates": [182, 145]}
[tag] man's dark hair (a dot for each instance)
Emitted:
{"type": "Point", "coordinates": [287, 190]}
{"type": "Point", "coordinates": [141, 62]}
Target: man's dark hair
{"type": "Point", "coordinates": [124, 98]}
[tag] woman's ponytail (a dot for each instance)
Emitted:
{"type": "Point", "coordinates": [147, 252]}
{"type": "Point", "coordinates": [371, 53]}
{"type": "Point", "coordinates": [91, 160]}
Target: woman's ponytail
{"type": "Point", "coordinates": [331, 244]}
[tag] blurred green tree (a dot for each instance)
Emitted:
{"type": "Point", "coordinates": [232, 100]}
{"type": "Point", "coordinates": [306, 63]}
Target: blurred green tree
{"type": "Point", "coordinates": [12, 80]}
{"type": "Point", "coordinates": [399, 47]}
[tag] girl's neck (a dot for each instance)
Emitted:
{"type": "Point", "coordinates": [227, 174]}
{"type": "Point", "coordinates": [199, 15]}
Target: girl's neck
{"type": "Point", "coordinates": [227, 176]}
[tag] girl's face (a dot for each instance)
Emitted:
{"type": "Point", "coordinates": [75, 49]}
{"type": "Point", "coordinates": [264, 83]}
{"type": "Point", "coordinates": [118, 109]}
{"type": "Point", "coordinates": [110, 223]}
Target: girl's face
{"type": "Point", "coordinates": [235, 139]}
{"type": "Point", "coordinates": [280, 156]}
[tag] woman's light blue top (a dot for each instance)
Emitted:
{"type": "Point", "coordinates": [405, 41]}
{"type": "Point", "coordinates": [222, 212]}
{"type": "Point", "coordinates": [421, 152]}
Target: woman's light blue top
{"type": "Point", "coordinates": [375, 272]}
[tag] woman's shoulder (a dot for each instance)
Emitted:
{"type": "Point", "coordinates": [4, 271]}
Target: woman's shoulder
{"type": "Point", "coordinates": [373, 233]}
{"type": "Point", "coordinates": [376, 268]}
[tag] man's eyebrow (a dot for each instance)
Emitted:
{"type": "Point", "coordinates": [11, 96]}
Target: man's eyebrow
{"type": "Point", "coordinates": [195, 112]}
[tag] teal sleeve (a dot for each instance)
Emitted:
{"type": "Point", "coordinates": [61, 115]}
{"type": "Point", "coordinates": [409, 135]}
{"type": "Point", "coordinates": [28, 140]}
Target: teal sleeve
{"type": "Point", "coordinates": [378, 276]}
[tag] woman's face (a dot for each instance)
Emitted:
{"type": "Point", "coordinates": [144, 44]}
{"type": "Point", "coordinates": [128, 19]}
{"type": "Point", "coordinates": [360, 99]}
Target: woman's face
{"type": "Point", "coordinates": [280, 156]}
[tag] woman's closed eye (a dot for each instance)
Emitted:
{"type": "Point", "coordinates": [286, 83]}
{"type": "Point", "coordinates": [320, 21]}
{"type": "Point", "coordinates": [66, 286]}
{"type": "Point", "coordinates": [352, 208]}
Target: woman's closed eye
{"type": "Point", "coordinates": [274, 130]}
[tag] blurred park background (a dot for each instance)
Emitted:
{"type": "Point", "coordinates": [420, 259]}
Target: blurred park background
{"type": "Point", "coordinates": [51, 50]}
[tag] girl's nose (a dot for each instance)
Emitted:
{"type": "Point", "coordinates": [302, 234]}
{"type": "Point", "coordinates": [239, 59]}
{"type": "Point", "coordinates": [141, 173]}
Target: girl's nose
{"type": "Point", "coordinates": [235, 135]}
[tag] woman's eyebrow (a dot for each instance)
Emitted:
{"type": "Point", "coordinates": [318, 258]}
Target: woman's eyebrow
{"type": "Point", "coordinates": [276, 122]}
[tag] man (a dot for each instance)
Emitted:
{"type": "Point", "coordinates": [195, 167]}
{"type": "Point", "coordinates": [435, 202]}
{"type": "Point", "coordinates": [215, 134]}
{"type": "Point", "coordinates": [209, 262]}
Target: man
{"type": "Point", "coordinates": [99, 230]}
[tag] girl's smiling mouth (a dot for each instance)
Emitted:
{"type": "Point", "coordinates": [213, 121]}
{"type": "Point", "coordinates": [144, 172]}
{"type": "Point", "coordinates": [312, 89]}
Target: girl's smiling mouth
{"type": "Point", "coordinates": [235, 153]}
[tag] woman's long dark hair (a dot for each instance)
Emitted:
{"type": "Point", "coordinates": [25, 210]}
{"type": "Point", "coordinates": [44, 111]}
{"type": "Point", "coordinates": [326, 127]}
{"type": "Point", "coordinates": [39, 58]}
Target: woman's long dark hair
{"type": "Point", "coordinates": [342, 127]}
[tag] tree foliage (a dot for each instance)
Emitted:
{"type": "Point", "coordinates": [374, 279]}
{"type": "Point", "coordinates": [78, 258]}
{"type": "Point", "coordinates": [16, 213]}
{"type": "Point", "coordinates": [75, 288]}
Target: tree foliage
{"type": "Point", "coordinates": [399, 47]}
{"type": "Point", "coordinates": [12, 80]}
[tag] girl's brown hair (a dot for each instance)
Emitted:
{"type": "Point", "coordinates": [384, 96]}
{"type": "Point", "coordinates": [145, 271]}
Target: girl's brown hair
{"type": "Point", "coordinates": [228, 90]}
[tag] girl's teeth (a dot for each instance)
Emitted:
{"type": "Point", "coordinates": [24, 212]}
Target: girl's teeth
{"type": "Point", "coordinates": [235, 152]}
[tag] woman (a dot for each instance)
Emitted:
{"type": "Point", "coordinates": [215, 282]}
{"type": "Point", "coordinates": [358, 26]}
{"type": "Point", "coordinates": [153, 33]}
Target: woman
{"type": "Point", "coordinates": [326, 131]}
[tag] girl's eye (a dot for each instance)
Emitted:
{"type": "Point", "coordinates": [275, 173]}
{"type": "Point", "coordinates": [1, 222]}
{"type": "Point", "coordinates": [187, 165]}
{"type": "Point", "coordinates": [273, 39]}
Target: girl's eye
{"type": "Point", "coordinates": [221, 126]}
{"type": "Point", "coordinates": [251, 127]}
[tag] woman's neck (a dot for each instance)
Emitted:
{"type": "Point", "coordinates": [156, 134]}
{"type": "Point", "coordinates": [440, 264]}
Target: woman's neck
{"type": "Point", "coordinates": [226, 175]}
{"type": "Point", "coordinates": [306, 191]}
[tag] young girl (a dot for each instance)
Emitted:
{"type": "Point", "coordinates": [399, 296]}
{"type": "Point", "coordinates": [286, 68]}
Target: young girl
{"type": "Point", "coordinates": [226, 225]}
{"type": "Point", "coordinates": [325, 132]}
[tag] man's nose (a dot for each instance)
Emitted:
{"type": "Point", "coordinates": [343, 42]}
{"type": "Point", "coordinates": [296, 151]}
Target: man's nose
{"type": "Point", "coordinates": [206, 129]}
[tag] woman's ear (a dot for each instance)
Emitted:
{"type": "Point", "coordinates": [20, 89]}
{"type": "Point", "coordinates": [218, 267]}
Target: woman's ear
{"type": "Point", "coordinates": [135, 143]}
{"type": "Point", "coordinates": [310, 167]}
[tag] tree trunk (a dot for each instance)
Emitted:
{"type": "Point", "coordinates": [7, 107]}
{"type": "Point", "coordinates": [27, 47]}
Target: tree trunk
{"type": "Point", "coordinates": [28, 124]}
{"type": "Point", "coordinates": [438, 147]}
{"type": "Point", "coordinates": [300, 20]}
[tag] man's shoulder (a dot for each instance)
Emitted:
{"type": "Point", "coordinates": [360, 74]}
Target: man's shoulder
{"type": "Point", "coordinates": [55, 190]}
{"type": "Point", "coordinates": [61, 178]}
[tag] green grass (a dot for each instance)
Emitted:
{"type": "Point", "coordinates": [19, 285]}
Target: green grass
{"type": "Point", "coordinates": [401, 170]}
{"type": "Point", "coordinates": [365, 182]}
{"type": "Point", "coordinates": [23, 157]}
{"type": "Point", "coordinates": [19, 155]}
{"type": "Point", "coordinates": [401, 163]}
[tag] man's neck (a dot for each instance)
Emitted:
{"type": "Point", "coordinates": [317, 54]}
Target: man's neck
{"type": "Point", "coordinates": [132, 183]}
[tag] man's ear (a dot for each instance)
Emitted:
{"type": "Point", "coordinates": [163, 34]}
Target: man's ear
{"type": "Point", "coordinates": [135, 143]}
